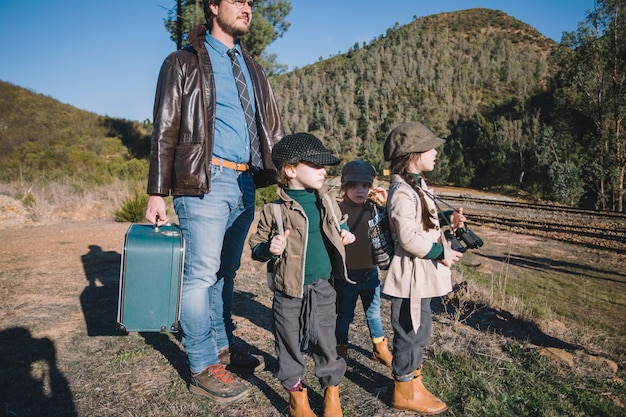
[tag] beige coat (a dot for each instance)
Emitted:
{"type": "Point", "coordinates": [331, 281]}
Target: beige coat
{"type": "Point", "coordinates": [410, 275]}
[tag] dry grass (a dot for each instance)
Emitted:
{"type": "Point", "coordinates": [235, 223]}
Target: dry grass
{"type": "Point", "coordinates": [61, 355]}
{"type": "Point", "coordinates": [70, 200]}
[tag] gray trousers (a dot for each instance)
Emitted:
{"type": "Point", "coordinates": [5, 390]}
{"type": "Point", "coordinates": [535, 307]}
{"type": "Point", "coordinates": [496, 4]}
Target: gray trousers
{"type": "Point", "coordinates": [408, 346]}
{"type": "Point", "coordinates": [307, 324]}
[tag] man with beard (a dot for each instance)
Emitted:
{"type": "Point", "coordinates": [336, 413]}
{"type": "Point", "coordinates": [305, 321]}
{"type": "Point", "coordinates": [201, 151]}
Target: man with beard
{"type": "Point", "coordinates": [215, 123]}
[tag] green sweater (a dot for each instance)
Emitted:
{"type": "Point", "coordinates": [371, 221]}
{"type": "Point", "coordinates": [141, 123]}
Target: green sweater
{"type": "Point", "coordinates": [317, 264]}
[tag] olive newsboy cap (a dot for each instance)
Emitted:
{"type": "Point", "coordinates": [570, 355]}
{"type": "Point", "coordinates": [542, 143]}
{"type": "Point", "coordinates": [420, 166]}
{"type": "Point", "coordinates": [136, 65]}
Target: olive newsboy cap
{"type": "Point", "coordinates": [301, 147]}
{"type": "Point", "coordinates": [408, 138]}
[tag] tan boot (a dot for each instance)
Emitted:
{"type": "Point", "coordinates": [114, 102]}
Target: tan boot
{"type": "Point", "coordinates": [299, 404]}
{"type": "Point", "coordinates": [418, 385]}
{"type": "Point", "coordinates": [332, 406]}
{"type": "Point", "coordinates": [342, 350]}
{"type": "Point", "coordinates": [405, 397]}
{"type": "Point", "coordinates": [381, 353]}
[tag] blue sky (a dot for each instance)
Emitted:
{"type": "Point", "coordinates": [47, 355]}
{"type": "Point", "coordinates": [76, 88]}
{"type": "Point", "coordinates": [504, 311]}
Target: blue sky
{"type": "Point", "coordinates": [104, 56]}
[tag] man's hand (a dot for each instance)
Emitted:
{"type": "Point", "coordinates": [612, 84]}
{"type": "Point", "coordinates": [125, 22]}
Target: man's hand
{"type": "Point", "coordinates": [156, 210]}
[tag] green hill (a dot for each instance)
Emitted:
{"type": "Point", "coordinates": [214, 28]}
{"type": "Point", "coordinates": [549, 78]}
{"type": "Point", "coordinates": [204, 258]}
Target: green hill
{"type": "Point", "coordinates": [444, 70]}
{"type": "Point", "coordinates": [39, 136]}
{"type": "Point", "coordinates": [477, 77]}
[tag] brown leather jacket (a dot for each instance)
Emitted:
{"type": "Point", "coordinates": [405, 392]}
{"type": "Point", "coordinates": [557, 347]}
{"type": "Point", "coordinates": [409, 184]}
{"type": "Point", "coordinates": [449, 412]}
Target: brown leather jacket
{"type": "Point", "coordinates": [184, 121]}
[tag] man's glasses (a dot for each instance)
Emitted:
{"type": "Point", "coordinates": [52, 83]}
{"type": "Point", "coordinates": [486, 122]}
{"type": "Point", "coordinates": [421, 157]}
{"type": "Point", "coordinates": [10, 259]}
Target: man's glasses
{"type": "Point", "coordinates": [240, 3]}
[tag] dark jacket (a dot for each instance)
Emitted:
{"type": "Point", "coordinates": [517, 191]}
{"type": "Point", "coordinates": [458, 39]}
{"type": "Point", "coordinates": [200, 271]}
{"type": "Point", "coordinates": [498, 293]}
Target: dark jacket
{"type": "Point", "coordinates": [184, 121]}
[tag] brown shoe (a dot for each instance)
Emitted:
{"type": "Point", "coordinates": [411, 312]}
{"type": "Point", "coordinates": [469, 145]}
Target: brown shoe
{"type": "Point", "coordinates": [418, 386]}
{"type": "Point", "coordinates": [299, 404]}
{"type": "Point", "coordinates": [217, 384]}
{"type": "Point", "coordinates": [413, 396]}
{"type": "Point", "coordinates": [332, 405]}
{"type": "Point", "coordinates": [381, 353]}
{"type": "Point", "coordinates": [342, 350]}
{"type": "Point", "coordinates": [239, 360]}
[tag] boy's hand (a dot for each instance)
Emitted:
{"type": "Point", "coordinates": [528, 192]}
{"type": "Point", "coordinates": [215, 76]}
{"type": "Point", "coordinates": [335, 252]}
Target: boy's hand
{"type": "Point", "coordinates": [458, 219]}
{"type": "Point", "coordinates": [378, 195]}
{"type": "Point", "coordinates": [347, 237]}
{"type": "Point", "coordinates": [278, 244]}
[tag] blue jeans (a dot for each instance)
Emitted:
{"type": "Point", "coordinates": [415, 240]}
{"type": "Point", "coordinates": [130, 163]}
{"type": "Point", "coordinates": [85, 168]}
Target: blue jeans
{"type": "Point", "coordinates": [215, 226]}
{"type": "Point", "coordinates": [368, 288]}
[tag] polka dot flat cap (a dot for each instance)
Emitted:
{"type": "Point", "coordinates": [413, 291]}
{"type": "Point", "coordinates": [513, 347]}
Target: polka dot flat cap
{"type": "Point", "coordinates": [302, 147]}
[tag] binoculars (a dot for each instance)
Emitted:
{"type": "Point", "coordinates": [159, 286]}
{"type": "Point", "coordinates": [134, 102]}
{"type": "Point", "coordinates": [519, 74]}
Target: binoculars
{"type": "Point", "coordinates": [463, 239]}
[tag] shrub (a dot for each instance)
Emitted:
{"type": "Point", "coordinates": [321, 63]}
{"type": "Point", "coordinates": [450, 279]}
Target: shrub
{"type": "Point", "coordinates": [133, 208]}
{"type": "Point", "coordinates": [265, 195]}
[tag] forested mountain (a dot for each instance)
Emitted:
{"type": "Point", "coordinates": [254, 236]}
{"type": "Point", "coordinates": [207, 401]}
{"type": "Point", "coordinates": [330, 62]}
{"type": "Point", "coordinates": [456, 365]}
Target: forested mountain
{"type": "Point", "coordinates": [475, 77]}
{"type": "Point", "coordinates": [442, 70]}
{"type": "Point", "coordinates": [517, 109]}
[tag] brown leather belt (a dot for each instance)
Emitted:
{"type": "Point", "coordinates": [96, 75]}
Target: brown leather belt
{"type": "Point", "coordinates": [229, 164]}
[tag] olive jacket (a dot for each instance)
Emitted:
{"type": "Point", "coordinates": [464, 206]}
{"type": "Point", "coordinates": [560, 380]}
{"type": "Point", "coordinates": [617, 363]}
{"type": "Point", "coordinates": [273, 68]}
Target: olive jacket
{"type": "Point", "coordinates": [288, 269]}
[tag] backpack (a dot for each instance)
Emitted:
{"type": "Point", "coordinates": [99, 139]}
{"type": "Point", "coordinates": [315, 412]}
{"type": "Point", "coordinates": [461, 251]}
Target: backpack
{"type": "Point", "coordinates": [381, 240]}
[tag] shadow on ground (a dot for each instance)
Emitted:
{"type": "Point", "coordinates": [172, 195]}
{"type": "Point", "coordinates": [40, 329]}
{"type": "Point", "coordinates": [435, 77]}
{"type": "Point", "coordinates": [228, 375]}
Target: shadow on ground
{"type": "Point", "coordinates": [31, 384]}
{"type": "Point", "coordinates": [99, 298]}
{"type": "Point", "coordinates": [491, 320]}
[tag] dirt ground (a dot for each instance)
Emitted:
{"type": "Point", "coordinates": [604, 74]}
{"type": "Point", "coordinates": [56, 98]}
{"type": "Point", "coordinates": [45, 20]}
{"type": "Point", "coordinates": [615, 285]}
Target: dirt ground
{"type": "Point", "coordinates": [58, 296]}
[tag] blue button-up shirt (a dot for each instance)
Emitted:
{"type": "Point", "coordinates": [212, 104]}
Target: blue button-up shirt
{"type": "Point", "coordinates": [232, 140]}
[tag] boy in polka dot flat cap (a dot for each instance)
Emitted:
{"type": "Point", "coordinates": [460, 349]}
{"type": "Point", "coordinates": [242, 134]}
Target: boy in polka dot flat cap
{"type": "Point", "coordinates": [302, 236]}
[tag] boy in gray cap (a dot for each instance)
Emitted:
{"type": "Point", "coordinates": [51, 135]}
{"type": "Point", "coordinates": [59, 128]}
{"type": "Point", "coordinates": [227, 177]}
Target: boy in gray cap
{"type": "Point", "coordinates": [357, 180]}
{"type": "Point", "coordinates": [420, 268]}
{"type": "Point", "coordinates": [304, 258]}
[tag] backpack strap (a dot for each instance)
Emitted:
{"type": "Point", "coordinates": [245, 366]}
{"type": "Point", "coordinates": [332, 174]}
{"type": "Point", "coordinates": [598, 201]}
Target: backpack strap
{"type": "Point", "coordinates": [332, 211]}
{"type": "Point", "coordinates": [278, 217]}
{"type": "Point", "coordinates": [358, 220]}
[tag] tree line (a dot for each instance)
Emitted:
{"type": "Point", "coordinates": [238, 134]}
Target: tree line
{"type": "Point", "coordinates": [517, 109]}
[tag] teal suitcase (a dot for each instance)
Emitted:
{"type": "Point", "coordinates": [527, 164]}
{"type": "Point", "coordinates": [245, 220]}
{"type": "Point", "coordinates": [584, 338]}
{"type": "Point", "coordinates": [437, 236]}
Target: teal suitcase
{"type": "Point", "coordinates": [151, 279]}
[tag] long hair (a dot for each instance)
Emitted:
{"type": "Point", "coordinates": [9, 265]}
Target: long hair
{"type": "Point", "coordinates": [400, 167]}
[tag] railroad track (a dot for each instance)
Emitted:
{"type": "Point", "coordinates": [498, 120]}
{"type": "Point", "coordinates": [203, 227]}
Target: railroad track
{"type": "Point", "coordinates": [593, 228]}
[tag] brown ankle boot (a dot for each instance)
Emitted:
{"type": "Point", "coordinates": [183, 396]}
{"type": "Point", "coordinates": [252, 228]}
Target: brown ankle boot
{"type": "Point", "coordinates": [332, 406]}
{"type": "Point", "coordinates": [381, 353]}
{"type": "Point", "coordinates": [299, 404]}
{"type": "Point", "coordinates": [405, 397]}
{"type": "Point", "coordinates": [342, 350]}
{"type": "Point", "coordinates": [418, 385]}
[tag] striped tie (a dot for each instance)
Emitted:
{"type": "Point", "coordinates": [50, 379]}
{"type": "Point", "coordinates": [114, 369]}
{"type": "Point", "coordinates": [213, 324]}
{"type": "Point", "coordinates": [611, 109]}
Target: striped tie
{"type": "Point", "coordinates": [244, 97]}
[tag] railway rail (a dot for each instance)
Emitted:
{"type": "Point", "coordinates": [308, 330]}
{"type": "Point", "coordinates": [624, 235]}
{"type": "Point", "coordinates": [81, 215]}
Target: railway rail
{"type": "Point", "coordinates": [593, 228]}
